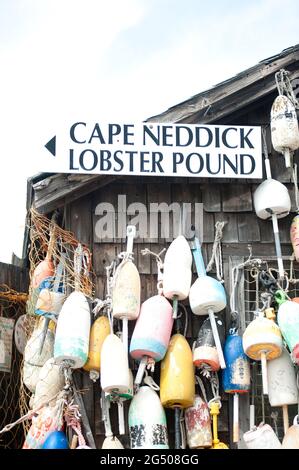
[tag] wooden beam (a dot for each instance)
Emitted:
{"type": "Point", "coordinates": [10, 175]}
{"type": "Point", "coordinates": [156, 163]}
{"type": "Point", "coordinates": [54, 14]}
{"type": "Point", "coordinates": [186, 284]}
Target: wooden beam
{"type": "Point", "coordinates": [56, 191]}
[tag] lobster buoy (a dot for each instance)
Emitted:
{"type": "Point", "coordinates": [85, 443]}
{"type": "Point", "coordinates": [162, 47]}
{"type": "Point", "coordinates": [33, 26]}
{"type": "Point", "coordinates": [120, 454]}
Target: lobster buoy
{"type": "Point", "coordinates": [294, 235]}
{"type": "Point", "coordinates": [236, 376]}
{"type": "Point", "coordinates": [72, 332]}
{"type": "Point", "coordinates": [284, 127]}
{"type": "Point", "coordinates": [261, 437]}
{"type": "Point", "coordinates": [33, 358]}
{"type": "Point", "coordinates": [111, 442]}
{"type": "Point", "coordinates": [46, 267]}
{"type": "Point", "coordinates": [177, 269]}
{"type": "Point", "coordinates": [147, 421]}
{"type": "Point", "coordinates": [271, 197]}
{"type": "Point", "coordinates": [126, 292]}
{"type": "Point", "coordinates": [31, 353]}
{"type": "Point", "coordinates": [262, 341]}
{"type": "Point", "coordinates": [98, 333]}
{"type": "Point", "coordinates": [152, 331]}
{"type": "Point", "coordinates": [291, 438]}
{"type": "Point", "coordinates": [283, 389]}
{"type": "Point", "coordinates": [288, 321]}
{"type": "Point", "coordinates": [205, 355]}
{"type": "Point", "coordinates": [177, 382]}
{"type": "Point", "coordinates": [115, 377]}
{"type": "Point", "coordinates": [50, 382]}
{"type": "Point", "coordinates": [198, 424]}
{"type": "Point", "coordinates": [56, 440]}
{"type": "Point", "coordinates": [207, 297]}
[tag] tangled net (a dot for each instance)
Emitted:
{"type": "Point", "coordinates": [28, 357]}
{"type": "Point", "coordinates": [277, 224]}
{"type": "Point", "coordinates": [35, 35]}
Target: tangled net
{"type": "Point", "coordinates": [47, 239]}
{"type": "Point", "coordinates": [12, 306]}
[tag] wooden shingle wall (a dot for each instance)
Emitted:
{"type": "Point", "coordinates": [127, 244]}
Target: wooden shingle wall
{"type": "Point", "coordinates": [223, 200]}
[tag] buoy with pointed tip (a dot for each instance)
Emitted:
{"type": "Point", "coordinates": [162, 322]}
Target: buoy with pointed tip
{"type": "Point", "coordinates": [262, 341]}
{"type": "Point", "coordinates": [284, 127]}
{"type": "Point", "coordinates": [177, 271]}
{"type": "Point", "coordinates": [288, 321]}
{"type": "Point", "coordinates": [236, 375]}
{"type": "Point", "coordinates": [56, 440]}
{"type": "Point", "coordinates": [99, 331]}
{"type": "Point", "coordinates": [115, 376]}
{"type": "Point", "coordinates": [261, 437]}
{"type": "Point", "coordinates": [291, 438]}
{"type": "Point", "coordinates": [283, 389]}
{"type": "Point", "coordinates": [72, 332]}
{"type": "Point", "coordinates": [177, 382]}
{"type": "Point", "coordinates": [205, 355]}
{"type": "Point", "coordinates": [126, 289]}
{"type": "Point", "coordinates": [111, 442]}
{"type": "Point", "coordinates": [152, 332]}
{"type": "Point", "coordinates": [147, 421]}
{"type": "Point", "coordinates": [52, 295]}
{"type": "Point", "coordinates": [207, 297]}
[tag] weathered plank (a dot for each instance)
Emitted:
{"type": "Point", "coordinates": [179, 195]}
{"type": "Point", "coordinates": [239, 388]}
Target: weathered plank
{"type": "Point", "coordinates": [236, 198]}
{"type": "Point", "coordinates": [248, 228]}
{"type": "Point", "coordinates": [211, 197]}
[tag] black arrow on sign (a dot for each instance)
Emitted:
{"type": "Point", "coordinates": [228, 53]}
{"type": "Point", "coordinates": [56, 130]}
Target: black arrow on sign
{"type": "Point", "coordinates": [51, 145]}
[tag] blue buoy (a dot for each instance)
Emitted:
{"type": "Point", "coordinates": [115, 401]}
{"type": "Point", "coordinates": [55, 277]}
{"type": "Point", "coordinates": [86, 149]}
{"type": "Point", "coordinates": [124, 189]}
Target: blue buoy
{"type": "Point", "coordinates": [236, 375]}
{"type": "Point", "coordinates": [56, 440]}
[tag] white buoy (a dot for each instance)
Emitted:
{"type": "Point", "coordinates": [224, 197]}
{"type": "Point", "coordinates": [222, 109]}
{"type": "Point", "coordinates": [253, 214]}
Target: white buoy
{"type": "Point", "coordinates": [177, 271]}
{"type": "Point", "coordinates": [115, 377]}
{"type": "Point", "coordinates": [261, 437]}
{"type": "Point", "coordinates": [283, 389]}
{"type": "Point", "coordinates": [284, 127]}
{"type": "Point", "coordinates": [147, 421]}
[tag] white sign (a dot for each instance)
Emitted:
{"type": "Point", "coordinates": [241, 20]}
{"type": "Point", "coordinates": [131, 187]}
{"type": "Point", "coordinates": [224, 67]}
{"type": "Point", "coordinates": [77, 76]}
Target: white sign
{"type": "Point", "coordinates": [155, 149]}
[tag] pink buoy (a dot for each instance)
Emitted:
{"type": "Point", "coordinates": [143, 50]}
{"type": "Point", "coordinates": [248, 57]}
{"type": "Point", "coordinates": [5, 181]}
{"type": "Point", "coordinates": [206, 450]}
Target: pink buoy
{"type": "Point", "coordinates": [152, 331]}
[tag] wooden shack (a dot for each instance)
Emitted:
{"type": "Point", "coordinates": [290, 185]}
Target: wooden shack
{"type": "Point", "coordinates": [245, 99]}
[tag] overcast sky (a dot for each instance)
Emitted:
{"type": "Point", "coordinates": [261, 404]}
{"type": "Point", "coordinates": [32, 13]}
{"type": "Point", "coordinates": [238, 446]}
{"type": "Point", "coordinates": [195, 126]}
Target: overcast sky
{"type": "Point", "coordinates": [124, 60]}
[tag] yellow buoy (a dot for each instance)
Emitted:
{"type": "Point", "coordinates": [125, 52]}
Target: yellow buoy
{"type": "Point", "coordinates": [99, 331]}
{"type": "Point", "coordinates": [177, 382]}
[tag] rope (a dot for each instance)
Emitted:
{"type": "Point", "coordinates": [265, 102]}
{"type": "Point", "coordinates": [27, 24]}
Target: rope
{"type": "Point", "coordinates": [284, 86]}
{"type": "Point", "coordinates": [160, 266]}
{"type": "Point", "coordinates": [295, 180]}
{"type": "Point", "coordinates": [202, 388]}
{"type": "Point", "coordinates": [216, 257]}
{"type": "Point", "coordinates": [186, 318]}
{"type": "Point", "coordinates": [214, 380]}
{"type": "Point", "coordinates": [72, 417]}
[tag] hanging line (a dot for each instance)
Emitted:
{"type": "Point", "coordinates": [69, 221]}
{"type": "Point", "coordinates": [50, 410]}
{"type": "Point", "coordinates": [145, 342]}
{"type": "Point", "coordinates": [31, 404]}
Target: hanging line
{"type": "Point", "coordinates": [202, 388]}
{"type": "Point", "coordinates": [295, 182]}
{"type": "Point", "coordinates": [284, 86]}
{"type": "Point", "coordinates": [216, 257]}
{"type": "Point", "coordinates": [214, 380]}
{"type": "Point", "coordinates": [160, 266]}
